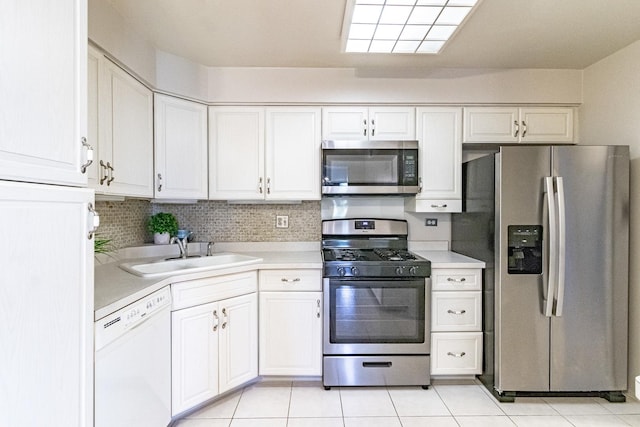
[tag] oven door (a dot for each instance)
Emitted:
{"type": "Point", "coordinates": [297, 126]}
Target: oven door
{"type": "Point", "coordinates": [376, 316]}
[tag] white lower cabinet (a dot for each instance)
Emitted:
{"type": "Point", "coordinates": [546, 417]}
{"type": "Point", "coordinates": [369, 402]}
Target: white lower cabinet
{"type": "Point", "coordinates": [213, 344]}
{"type": "Point", "coordinates": [290, 322]}
{"type": "Point", "coordinates": [456, 321]}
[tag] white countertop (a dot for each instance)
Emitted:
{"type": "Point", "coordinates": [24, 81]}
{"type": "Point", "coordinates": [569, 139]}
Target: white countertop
{"type": "Point", "coordinates": [115, 288]}
{"type": "Point", "coordinates": [448, 259]}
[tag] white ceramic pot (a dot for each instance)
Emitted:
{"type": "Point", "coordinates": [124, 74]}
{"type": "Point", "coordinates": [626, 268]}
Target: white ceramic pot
{"type": "Point", "coordinates": [161, 238]}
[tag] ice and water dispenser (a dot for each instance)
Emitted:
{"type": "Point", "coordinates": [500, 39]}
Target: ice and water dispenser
{"type": "Point", "coordinates": [525, 249]}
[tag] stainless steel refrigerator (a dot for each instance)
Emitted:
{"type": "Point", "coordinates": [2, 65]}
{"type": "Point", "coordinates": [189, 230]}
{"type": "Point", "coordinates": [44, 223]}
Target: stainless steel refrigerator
{"type": "Point", "coordinates": [552, 224]}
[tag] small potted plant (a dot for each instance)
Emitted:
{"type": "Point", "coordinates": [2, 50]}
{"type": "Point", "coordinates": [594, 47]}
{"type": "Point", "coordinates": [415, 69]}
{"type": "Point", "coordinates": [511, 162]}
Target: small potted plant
{"type": "Point", "coordinates": [163, 225]}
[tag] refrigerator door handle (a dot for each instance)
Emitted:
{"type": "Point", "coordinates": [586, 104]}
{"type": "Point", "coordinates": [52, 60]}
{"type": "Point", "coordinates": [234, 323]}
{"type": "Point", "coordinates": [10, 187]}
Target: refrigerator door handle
{"type": "Point", "coordinates": [561, 244]}
{"type": "Point", "coordinates": [553, 256]}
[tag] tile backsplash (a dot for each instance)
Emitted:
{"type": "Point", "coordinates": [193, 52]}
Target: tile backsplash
{"type": "Point", "coordinates": [218, 221]}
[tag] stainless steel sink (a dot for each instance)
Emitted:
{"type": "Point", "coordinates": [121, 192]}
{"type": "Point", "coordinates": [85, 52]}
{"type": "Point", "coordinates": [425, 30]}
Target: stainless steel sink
{"type": "Point", "coordinates": [188, 265]}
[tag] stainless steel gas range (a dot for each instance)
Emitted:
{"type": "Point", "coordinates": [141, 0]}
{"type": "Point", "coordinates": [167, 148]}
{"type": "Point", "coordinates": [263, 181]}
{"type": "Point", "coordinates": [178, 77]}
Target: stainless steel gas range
{"type": "Point", "coordinates": [377, 305]}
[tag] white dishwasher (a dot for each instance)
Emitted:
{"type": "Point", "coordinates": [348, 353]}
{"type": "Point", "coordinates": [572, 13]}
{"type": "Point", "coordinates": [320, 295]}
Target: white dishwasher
{"type": "Point", "coordinates": [133, 364]}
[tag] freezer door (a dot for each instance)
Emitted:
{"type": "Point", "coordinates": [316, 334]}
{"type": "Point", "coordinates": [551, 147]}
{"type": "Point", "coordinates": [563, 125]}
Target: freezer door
{"type": "Point", "coordinates": [521, 328]}
{"type": "Point", "coordinates": [589, 330]}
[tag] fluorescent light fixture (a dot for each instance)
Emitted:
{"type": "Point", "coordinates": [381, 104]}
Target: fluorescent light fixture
{"type": "Point", "coordinates": [403, 26]}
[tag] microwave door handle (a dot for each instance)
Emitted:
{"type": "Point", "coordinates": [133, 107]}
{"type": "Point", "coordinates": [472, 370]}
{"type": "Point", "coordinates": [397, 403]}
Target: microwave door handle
{"type": "Point", "coordinates": [562, 249]}
{"type": "Point", "coordinates": [553, 257]}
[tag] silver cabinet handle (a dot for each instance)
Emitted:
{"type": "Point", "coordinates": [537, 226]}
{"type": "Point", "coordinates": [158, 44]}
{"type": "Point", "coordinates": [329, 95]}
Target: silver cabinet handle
{"type": "Point", "coordinates": [373, 128]}
{"type": "Point", "coordinates": [365, 127]}
{"type": "Point", "coordinates": [517, 125]}
{"type": "Point", "coordinates": [159, 182]}
{"type": "Point", "coordinates": [284, 279]}
{"type": "Point", "coordinates": [104, 173]}
{"type": "Point", "coordinates": [260, 185]}
{"type": "Point", "coordinates": [318, 308]}
{"type": "Point", "coordinates": [458, 312]}
{"type": "Point", "coordinates": [89, 148]}
{"type": "Point", "coordinates": [524, 128]}
{"type": "Point", "coordinates": [111, 177]}
{"type": "Point", "coordinates": [439, 206]}
{"type": "Point", "coordinates": [460, 280]}
{"type": "Point", "coordinates": [461, 354]}
{"type": "Point", "coordinates": [268, 185]}
{"type": "Point", "coordinates": [420, 184]}
{"type": "Point", "coordinates": [95, 221]}
{"type": "Point", "coordinates": [224, 313]}
{"type": "Point", "coordinates": [216, 320]}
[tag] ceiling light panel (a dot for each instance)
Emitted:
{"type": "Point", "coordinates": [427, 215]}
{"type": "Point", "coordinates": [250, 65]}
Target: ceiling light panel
{"type": "Point", "coordinates": [404, 26]}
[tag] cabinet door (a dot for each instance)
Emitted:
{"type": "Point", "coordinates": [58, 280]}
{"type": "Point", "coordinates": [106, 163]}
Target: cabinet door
{"type": "Point", "coordinates": [392, 123]}
{"type": "Point", "coordinates": [94, 58]}
{"type": "Point", "coordinates": [238, 341]}
{"type": "Point", "coordinates": [491, 124]}
{"type": "Point", "coordinates": [439, 135]}
{"type": "Point", "coordinates": [180, 148]}
{"type": "Point", "coordinates": [46, 301]}
{"type": "Point", "coordinates": [293, 153]}
{"type": "Point", "coordinates": [545, 125]}
{"type": "Point", "coordinates": [236, 153]}
{"type": "Point", "coordinates": [194, 356]}
{"type": "Point", "coordinates": [345, 123]}
{"type": "Point", "coordinates": [43, 58]}
{"type": "Point", "coordinates": [290, 333]}
{"type": "Point", "coordinates": [126, 133]}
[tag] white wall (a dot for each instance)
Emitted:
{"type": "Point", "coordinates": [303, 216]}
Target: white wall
{"type": "Point", "coordinates": [611, 115]}
{"type": "Point", "coordinates": [449, 86]}
{"type": "Point", "coordinates": [177, 75]}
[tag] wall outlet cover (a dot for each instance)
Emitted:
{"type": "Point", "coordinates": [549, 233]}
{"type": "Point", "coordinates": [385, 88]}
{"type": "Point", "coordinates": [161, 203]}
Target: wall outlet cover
{"type": "Point", "coordinates": [431, 222]}
{"type": "Point", "coordinates": [282, 221]}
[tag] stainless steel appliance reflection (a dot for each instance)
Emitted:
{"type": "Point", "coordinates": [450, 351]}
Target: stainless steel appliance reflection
{"type": "Point", "coordinates": [376, 311]}
{"type": "Point", "coordinates": [552, 225]}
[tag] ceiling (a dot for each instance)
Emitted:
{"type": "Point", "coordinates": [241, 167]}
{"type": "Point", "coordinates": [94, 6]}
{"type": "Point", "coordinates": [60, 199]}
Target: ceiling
{"type": "Point", "coordinates": [570, 34]}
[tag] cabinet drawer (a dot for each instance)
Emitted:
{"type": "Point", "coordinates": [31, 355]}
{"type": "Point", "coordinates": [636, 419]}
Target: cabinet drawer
{"type": "Point", "coordinates": [461, 279]}
{"type": "Point", "coordinates": [456, 353]}
{"type": "Point", "coordinates": [456, 311]}
{"type": "Point", "coordinates": [291, 280]}
{"type": "Point", "coordinates": [202, 291]}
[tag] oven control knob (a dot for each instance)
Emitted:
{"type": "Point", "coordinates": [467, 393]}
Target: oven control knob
{"type": "Point", "coordinates": [400, 271]}
{"type": "Point", "coordinates": [413, 270]}
{"type": "Point", "coordinates": [354, 271]}
{"type": "Point", "coordinates": [341, 271]}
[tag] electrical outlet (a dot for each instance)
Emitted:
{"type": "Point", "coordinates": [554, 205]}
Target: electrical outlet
{"type": "Point", "coordinates": [431, 222]}
{"type": "Point", "coordinates": [282, 221]}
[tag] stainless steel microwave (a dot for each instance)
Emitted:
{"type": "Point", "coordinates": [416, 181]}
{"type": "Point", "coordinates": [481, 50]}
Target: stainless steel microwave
{"type": "Point", "coordinates": [369, 167]}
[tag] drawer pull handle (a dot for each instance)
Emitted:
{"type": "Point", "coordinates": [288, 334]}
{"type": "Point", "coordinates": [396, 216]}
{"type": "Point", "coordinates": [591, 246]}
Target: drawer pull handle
{"type": "Point", "coordinates": [458, 312]}
{"type": "Point", "coordinates": [461, 354]}
{"type": "Point", "coordinates": [376, 364]}
{"type": "Point", "coordinates": [285, 280]}
{"type": "Point", "coordinates": [451, 279]}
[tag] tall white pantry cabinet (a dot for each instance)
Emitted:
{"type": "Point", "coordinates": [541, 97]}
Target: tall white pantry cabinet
{"type": "Point", "coordinates": [46, 273]}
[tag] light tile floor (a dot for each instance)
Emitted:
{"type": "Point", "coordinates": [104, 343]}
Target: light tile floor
{"type": "Point", "coordinates": [445, 404]}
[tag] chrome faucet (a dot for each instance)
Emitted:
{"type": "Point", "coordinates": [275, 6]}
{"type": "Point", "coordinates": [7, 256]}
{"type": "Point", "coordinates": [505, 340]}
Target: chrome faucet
{"type": "Point", "coordinates": [209, 248]}
{"type": "Point", "coordinates": [182, 245]}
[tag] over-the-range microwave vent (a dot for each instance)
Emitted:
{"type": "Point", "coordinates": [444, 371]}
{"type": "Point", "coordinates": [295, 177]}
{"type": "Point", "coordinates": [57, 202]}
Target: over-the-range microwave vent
{"type": "Point", "coordinates": [370, 168]}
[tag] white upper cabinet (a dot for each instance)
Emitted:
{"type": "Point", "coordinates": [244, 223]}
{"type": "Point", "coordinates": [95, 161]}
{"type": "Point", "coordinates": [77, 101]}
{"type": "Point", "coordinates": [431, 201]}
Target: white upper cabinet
{"type": "Point", "coordinates": [120, 124]}
{"type": "Point", "coordinates": [260, 153]}
{"type": "Point", "coordinates": [439, 131]}
{"type": "Point", "coordinates": [368, 123]}
{"type": "Point", "coordinates": [518, 125]}
{"type": "Point", "coordinates": [180, 148]}
{"type": "Point", "coordinates": [125, 133]}
{"type": "Point", "coordinates": [43, 95]}
{"type": "Point", "coordinates": [293, 153]}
